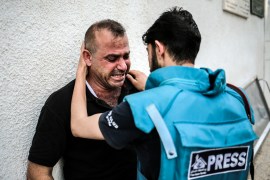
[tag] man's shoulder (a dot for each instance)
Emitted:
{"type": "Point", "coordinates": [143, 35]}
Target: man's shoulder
{"type": "Point", "coordinates": [62, 95]}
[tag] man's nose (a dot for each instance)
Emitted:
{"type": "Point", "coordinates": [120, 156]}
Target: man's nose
{"type": "Point", "coordinates": [122, 65]}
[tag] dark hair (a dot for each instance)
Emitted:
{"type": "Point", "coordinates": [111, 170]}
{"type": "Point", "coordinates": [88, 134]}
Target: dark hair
{"type": "Point", "coordinates": [177, 30]}
{"type": "Point", "coordinates": [114, 27]}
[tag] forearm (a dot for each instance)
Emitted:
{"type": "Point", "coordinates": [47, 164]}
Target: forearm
{"type": "Point", "coordinates": [82, 125]}
{"type": "Point", "coordinates": [78, 103]}
{"type": "Point", "coordinates": [38, 172]}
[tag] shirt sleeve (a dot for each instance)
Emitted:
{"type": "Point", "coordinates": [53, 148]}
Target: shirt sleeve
{"type": "Point", "coordinates": [118, 127]}
{"type": "Point", "coordinates": [49, 139]}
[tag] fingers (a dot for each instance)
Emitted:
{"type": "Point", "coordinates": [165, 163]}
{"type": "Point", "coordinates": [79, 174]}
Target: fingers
{"type": "Point", "coordinates": [82, 50]}
{"type": "Point", "coordinates": [137, 78]}
{"type": "Point", "coordinates": [134, 72]}
{"type": "Point", "coordinates": [134, 82]}
{"type": "Point", "coordinates": [82, 46]}
{"type": "Point", "coordinates": [131, 78]}
{"type": "Point", "coordinates": [82, 67]}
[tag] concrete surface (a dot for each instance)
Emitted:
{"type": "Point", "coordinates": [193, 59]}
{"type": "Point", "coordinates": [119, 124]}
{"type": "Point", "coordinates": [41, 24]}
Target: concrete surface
{"type": "Point", "coordinates": [262, 161]}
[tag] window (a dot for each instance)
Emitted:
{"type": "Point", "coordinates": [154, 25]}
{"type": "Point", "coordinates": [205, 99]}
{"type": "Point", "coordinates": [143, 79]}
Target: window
{"type": "Point", "coordinates": [261, 111]}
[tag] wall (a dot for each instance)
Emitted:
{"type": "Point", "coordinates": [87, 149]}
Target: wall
{"type": "Point", "coordinates": [40, 43]}
{"type": "Point", "coordinates": [267, 52]}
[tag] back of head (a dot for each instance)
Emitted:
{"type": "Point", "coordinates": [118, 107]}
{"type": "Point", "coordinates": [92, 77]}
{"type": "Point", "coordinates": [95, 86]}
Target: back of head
{"type": "Point", "coordinates": [177, 30]}
{"type": "Point", "coordinates": [114, 27]}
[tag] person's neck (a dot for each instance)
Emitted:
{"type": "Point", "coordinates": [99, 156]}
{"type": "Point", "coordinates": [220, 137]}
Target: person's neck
{"type": "Point", "coordinates": [110, 96]}
{"type": "Point", "coordinates": [188, 64]}
{"type": "Point", "coordinates": [170, 62]}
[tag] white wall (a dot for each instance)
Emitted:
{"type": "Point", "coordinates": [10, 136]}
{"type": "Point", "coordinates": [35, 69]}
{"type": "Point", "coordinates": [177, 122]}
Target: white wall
{"type": "Point", "coordinates": [267, 51]}
{"type": "Point", "coordinates": [39, 49]}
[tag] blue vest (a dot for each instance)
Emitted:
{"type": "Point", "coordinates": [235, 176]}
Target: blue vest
{"type": "Point", "coordinates": [203, 126]}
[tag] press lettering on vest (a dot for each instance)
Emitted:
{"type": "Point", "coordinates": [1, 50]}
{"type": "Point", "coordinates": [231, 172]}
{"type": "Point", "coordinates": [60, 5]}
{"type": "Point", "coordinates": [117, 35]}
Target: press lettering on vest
{"type": "Point", "coordinates": [110, 120]}
{"type": "Point", "coordinates": [217, 161]}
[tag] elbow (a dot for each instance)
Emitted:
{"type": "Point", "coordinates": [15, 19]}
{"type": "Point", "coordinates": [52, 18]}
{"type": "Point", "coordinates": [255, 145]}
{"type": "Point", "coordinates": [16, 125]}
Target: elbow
{"type": "Point", "coordinates": [75, 129]}
{"type": "Point", "coordinates": [37, 171]}
{"type": "Point", "coordinates": [75, 133]}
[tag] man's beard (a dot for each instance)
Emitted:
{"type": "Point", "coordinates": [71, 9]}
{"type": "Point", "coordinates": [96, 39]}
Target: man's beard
{"type": "Point", "coordinates": [154, 62]}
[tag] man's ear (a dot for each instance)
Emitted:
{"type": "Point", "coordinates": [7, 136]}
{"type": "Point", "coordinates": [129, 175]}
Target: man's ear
{"type": "Point", "coordinates": [160, 48]}
{"type": "Point", "coordinates": [87, 57]}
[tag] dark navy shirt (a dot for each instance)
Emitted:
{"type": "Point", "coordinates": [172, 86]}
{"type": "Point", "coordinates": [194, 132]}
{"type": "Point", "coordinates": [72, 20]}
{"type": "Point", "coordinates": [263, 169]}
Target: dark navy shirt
{"type": "Point", "coordinates": [119, 131]}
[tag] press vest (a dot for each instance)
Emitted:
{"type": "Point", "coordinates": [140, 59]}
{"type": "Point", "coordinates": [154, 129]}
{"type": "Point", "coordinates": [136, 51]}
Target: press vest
{"type": "Point", "coordinates": [210, 136]}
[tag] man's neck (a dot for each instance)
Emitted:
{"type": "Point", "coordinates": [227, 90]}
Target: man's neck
{"type": "Point", "coordinates": [110, 96]}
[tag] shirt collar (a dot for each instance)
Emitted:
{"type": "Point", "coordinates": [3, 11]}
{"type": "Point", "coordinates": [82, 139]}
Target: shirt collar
{"type": "Point", "coordinates": [91, 89]}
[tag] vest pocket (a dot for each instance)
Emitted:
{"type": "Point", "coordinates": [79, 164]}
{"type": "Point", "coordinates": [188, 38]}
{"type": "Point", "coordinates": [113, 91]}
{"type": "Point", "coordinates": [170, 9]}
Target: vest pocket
{"type": "Point", "coordinates": [214, 150]}
{"type": "Point", "coordinates": [215, 135]}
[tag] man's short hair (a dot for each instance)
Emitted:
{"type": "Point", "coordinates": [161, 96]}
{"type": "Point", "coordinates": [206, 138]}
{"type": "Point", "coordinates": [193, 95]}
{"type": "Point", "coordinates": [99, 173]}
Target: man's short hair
{"type": "Point", "coordinates": [114, 27]}
{"type": "Point", "coordinates": [177, 30]}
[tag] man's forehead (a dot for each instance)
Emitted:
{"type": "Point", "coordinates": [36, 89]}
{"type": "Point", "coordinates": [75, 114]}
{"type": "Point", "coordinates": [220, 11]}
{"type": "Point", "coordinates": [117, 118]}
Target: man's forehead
{"type": "Point", "coordinates": [107, 34]}
{"type": "Point", "coordinates": [106, 38]}
{"type": "Point", "coordinates": [120, 42]}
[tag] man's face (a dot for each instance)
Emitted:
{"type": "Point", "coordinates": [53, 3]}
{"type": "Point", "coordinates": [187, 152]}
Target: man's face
{"type": "Point", "coordinates": [111, 62]}
{"type": "Point", "coordinates": [152, 58]}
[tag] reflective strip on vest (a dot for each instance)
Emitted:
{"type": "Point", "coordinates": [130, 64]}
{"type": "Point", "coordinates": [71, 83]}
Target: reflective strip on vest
{"type": "Point", "coordinates": [163, 131]}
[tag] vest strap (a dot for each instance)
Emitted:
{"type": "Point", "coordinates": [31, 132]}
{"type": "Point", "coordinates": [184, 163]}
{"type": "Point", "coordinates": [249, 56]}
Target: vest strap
{"type": "Point", "coordinates": [163, 131]}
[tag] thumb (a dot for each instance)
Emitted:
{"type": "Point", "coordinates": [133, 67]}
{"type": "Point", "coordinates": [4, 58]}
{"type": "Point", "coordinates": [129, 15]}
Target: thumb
{"type": "Point", "coordinates": [131, 78]}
